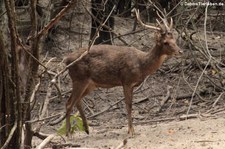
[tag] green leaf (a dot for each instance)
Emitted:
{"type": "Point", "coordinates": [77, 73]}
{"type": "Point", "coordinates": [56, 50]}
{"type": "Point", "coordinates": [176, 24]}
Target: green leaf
{"type": "Point", "coordinates": [76, 125]}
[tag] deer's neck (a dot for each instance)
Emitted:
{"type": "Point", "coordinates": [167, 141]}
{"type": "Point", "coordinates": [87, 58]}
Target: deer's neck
{"type": "Point", "coordinates": [153, 60]}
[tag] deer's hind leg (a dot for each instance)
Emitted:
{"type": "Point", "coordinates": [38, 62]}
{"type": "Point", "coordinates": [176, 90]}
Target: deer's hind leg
{"type": "Point", "coordinates": [80, 109]}
{"type": "Point", "coordinates": [79, 89]}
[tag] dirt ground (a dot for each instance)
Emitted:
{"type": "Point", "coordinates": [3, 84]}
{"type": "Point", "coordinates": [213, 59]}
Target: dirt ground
{"type": "Point", "coordinates": [197, 133]}
{"type": "Point", "coordinates": [188, 134]}
{"type": "Point", "coordinates": [156, 126]}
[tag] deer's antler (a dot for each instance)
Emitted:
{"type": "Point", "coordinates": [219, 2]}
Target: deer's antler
{"type": "Point", "coordinates": [164, 20]}
{"type": "Point", "coordinates": [145, 25]}
{"type": "Point", "coordinates": [163, 26]}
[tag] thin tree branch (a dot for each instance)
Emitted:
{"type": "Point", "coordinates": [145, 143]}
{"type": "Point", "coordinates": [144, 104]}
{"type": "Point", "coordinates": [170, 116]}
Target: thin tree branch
{"type": "Point", "coordinates": [209, 60]}
{"type": "Point", "coordinates": [10, 136]}
{"type": "Point", "coordinates": [53, 21]}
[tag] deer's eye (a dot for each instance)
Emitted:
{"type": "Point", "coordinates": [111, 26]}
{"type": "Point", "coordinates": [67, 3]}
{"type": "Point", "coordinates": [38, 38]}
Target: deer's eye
{"type": "Point", "coordinates": [169, 34]}
{"type": "Point", "coordinates": [166, 43]}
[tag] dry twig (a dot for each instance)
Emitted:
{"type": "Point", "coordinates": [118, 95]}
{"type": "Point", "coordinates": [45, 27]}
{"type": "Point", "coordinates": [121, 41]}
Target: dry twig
{"type": "Point", "coordinates": [54, 20]}
{"type": "Point", "coordinates": [46, 141]}
{"type": "Point", "coordinates": [122, 145]}
{"type": "Point", "coordinates": [209, 60]}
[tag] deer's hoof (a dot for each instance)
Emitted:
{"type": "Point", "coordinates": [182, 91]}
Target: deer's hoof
{"type": "Point", "coordinates": [131, 131]}
{"type": "Point", "coordinates": [87, 131]}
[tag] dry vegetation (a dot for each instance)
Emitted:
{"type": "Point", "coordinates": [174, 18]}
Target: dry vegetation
{"type": "Point", "coordinates": [191, 86]}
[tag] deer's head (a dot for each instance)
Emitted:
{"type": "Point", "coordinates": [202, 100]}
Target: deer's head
{"type": "Point", "coordinates": [164, 37]}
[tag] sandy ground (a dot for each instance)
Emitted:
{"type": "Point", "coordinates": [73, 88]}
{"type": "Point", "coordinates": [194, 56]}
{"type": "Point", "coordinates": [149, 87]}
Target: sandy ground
{"type": "Point", "coordinates": [187, 134]}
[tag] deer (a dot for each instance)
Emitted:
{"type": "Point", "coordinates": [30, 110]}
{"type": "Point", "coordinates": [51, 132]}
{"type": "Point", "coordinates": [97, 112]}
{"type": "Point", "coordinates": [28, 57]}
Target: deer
{"type": "Point", "coordinates": [107, 66]}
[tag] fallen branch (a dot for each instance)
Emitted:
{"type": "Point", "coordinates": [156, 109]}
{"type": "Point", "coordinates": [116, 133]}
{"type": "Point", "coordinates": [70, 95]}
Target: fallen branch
{"type": "Point", "coordinates": [157, 120]}
{"type": "Point", "coordinates": [188, 116]}
{"type": "Point", "coordinates": [43, 119]}
{"type": "Point", "coordinates": [217, 99]}
{"type": "Point", "coordinates": [122, 145]}
{"type": "Point", "coordinates": [217, 111]}
{"type": "Point", "coordinates": [58, 120]}
{"type": "Point", "coordinates": [56, 146]}
{"type": "Point", "coordinates": [165, 99]}
{"type": "Point", "coordinates": [106, 109]}
{"type": "Point", "coordinates": [64, 93]}
{"type": "Point", "coordinates": [136, 101]}
{"type": "Point", "coordinates": [46, 141]}
{"type": "Point", "coordinates": [40, 135]}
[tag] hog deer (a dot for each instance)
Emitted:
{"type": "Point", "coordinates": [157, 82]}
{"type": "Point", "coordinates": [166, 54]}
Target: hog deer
{"type": "Point", "coordinates": [108, 66]}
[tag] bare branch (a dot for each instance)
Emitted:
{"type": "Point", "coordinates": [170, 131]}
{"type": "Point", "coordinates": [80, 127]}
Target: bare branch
{"type": "Point", "coordinates": [54, 20]}
{"type": "Point", "coordinates": [46, 141]}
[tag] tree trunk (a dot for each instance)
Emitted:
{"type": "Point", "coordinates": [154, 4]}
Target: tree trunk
{"type": "Point", "coordinates": [11, 122]}
{"type": "Point", "coordinates": [101, 12]}
{"type": "Point", "coordinates": [4, 82]}
{"type": "Point", "coordinates": [32, 68]}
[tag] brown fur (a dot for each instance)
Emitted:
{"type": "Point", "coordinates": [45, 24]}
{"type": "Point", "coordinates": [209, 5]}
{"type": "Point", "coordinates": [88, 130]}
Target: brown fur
{"type": "Point", "coordinates": [108, 66]}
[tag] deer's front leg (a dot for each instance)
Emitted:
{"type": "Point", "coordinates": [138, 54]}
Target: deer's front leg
{"type": "Point", "coordinates": [128, 93]}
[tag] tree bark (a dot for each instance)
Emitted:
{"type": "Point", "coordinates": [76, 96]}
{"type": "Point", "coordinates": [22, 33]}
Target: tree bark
{"type": "Point", "coordinates": [101, 12]}
{"type": "Point", "coordinates": [4, 85]}
{"type": "Point", "coordinates": [11, 121]}
{"type": "Point", "coordinates": [32, 68]}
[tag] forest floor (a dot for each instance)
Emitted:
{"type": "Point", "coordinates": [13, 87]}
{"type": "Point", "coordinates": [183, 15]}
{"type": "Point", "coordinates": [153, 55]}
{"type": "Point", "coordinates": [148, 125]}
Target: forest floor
{"type": "Point", "coordinates": [157, 124]}
{"type": "Point", "coordinates": [189, 134]}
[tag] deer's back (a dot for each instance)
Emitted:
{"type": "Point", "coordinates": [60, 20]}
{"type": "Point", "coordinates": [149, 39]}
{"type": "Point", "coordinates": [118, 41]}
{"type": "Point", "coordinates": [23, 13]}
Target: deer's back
{"type": "Point", "coordinates": [106, 63]}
